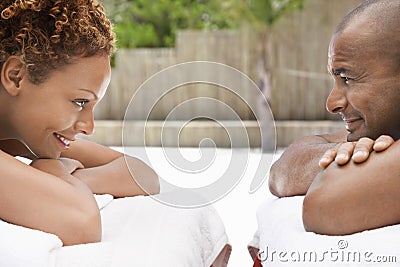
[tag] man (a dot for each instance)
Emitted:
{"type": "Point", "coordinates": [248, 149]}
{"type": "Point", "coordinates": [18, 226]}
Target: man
{"type": "Point", "coordinates": [360, 187]}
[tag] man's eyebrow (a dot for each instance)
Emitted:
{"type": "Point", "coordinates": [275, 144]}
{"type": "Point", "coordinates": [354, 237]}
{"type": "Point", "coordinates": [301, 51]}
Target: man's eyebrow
{"type": "Point", "coordinates": [339, 71]}
{"type": "Point", "coordinates": [86, 90]}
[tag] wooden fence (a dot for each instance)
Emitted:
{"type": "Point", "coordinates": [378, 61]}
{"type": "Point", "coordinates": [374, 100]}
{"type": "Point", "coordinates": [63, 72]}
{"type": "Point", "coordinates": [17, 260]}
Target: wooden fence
{"type": "Point", "coordinates": [297, 57]}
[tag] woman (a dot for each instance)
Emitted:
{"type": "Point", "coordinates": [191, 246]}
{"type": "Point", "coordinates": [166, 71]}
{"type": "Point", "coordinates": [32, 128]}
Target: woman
{"type": "Point", "coordinates": [54, 58]}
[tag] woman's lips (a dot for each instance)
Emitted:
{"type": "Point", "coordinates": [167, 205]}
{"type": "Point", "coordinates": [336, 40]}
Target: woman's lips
{"type": "Point", "coordinates": [63, 140]}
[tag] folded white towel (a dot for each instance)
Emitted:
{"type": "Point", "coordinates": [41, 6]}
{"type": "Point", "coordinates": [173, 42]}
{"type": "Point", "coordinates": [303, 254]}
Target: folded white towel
{"type": "Point", "coordinates": [23, 247]}
{"type": "Point", "coordinates": [142, 232]}
{"type": "Point", "coordinates": [282, 239]}
{"type": "Point", "coordinates": [137, 231]}
{"type": "Point", "coordinates": [103, 200]}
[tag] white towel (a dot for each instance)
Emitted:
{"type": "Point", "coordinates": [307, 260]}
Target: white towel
{"type": "Point", "coordinates": [20, 246]}
{"type": "Point", "coordinates": [137, 231]}
{"type": "Point", "coordinates": [23, 247]}
{"type": "Point", "coordinates": [142, 232]}
{"type": "Point", "coordinates": [281, 231]}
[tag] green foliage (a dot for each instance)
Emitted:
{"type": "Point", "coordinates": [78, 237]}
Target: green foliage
{"type": "Point", "coordinates": [154, 23]}
{"type": "Point", "coordinates": [268, 12]}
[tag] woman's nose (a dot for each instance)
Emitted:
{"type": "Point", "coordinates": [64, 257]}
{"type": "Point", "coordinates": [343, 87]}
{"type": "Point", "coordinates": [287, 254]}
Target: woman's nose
{"type": "Point", "coordinates": [85, 123]}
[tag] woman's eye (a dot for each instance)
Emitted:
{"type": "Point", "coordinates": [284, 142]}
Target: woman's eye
{"type": "Point", "coordinates": [81, 102]}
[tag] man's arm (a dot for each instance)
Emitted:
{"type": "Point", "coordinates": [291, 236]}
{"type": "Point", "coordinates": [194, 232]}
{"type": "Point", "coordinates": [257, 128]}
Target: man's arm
{"type": "Point", "coordinates": [355, 197]}
{"type": "Point", "coordinates": [294, 172]}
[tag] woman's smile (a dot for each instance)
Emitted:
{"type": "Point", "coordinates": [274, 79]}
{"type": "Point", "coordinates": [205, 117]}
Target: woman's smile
{"type": "Point", "coordinates": [63, 141]}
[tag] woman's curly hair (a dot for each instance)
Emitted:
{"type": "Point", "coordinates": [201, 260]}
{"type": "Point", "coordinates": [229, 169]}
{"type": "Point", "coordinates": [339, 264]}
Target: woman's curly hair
{"type": "Point", "coordinates": [46, 34]}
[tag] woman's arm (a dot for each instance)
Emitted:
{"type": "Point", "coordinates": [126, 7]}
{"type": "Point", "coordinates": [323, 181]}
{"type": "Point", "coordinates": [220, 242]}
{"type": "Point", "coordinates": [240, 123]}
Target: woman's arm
{"type": "Point", "coordinates": [355, 197]}
{"type": "Point", "coordinates": [122, 177]}
{"type": "Point", "coordinates": [109, 171]}
{"type": "Point", "coordinates": [61, 205]}
{"type": "Point", "coordinates": [90, 154]}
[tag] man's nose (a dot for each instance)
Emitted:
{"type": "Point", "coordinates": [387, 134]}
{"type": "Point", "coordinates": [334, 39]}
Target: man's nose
{"type": "Point", "coordinates": [336, 101]}
{"type": "Point", "coordinates": [85, 123]}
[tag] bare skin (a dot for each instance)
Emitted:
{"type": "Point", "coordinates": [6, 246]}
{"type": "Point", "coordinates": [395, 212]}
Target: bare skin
{"type": "Point", "coordinates": [365, 94]}
{"type": "Point", "coordinates": [312, 154]}
{"type": "Point", "coordinates": [362, 193]}
{"type": "Point", "coordinates": [355, 197]}
{"type": "Point", "coordinates": [55, 192]}
{"type": "Point", "coordinates": [294, 172]}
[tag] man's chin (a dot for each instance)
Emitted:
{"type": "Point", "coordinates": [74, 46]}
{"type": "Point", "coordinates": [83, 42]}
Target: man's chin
{"type": "Point", "coordinates": [355, 136]}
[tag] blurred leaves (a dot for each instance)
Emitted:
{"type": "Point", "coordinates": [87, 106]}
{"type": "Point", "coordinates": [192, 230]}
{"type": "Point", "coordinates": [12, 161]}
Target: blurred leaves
{"type": "Point", "coordinates": [154, 23]}
{"type": "Point", "coordinates": [269, 11]}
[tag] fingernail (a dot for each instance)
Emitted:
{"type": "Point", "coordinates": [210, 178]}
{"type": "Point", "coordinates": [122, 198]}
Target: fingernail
{"type": "Point", "coordinates": [341, 157]}
{"type": "Point", "coordinates": [322, 162]}
{"type": "Point", "coordinates": [379, 144]}
{"type": "Point", "coordinates": [359, 154]}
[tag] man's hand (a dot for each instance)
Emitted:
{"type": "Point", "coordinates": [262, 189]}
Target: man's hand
{"type": "Point", "coordinates": [357, 151]}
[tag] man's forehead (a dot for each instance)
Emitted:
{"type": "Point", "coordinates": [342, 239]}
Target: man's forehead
{"type": "Point", "coordinates": [330, 48]}
{"type": "Point", "coordinates": [350, 45]}
{"type": "Point", "coordinates": [337, 50]}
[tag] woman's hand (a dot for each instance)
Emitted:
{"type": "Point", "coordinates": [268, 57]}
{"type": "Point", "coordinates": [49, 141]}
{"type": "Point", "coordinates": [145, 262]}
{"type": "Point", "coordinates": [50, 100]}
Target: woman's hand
{"type": "Point", "coordinates": [62, 167]}
{"type": "Point", "coordinates": [358, 151]}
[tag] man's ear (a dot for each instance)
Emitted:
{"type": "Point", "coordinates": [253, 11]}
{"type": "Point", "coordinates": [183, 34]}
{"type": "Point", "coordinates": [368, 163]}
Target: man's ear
{"type": "Point", "coordinates": [12, 73]}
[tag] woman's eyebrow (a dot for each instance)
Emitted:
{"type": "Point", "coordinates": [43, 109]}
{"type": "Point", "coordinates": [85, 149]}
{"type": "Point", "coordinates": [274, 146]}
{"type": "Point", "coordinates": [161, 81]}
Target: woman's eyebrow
{"type": "Point", "coordinates": [86, 90]}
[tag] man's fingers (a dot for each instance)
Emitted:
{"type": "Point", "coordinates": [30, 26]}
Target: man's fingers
{"type": "Point", "coordinates": [327, 158]}
{"type": "Point", "coordinates": [362, 149]}
{"type": "Point", "coordinates": [344, 153]}
{"type": "Point", "coordinates": [382, 143]}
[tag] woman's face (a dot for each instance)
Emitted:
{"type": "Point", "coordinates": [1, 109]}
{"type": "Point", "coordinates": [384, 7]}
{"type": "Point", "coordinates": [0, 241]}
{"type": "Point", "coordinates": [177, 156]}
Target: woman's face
{"type": "Point", "coordinates": [49, 115]}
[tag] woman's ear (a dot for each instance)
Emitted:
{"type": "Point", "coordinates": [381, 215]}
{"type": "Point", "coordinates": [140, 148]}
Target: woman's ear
{"type": "Point", "coordinates": [12, 73]}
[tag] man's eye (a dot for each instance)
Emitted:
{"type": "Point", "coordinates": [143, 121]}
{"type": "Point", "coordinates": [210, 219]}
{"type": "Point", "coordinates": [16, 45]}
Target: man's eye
{"type": "Point", "coordinates": [81, 102]}
{"type": "Point", "coordinates": [345, 79]}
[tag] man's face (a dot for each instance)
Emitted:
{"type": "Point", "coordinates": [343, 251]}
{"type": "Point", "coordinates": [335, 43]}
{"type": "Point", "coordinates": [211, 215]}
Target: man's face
{"type": "Point", "coordinates": [366, 90]}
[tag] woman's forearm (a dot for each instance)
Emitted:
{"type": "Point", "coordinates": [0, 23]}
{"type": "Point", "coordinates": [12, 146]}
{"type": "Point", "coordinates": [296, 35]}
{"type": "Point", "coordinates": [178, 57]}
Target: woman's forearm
{"type": "Point", "coordinates": [119, 180]}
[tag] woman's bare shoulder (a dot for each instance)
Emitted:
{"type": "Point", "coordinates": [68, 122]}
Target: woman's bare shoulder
{"type": "Point", "coordinates": [36, 199]}
{"type": "Point", "coordinates": [14, 147]}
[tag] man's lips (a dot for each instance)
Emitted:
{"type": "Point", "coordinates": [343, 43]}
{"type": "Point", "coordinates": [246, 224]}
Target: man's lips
{"type": "Point", "coordinates": [352, 123]}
